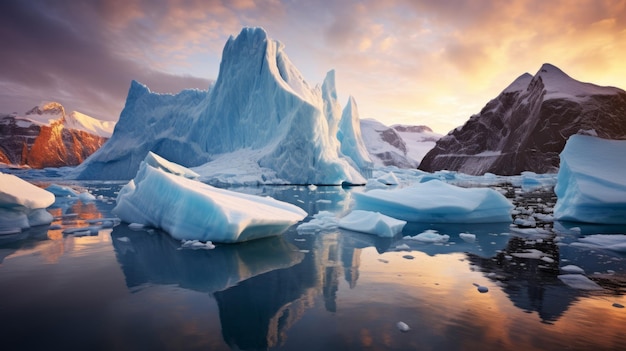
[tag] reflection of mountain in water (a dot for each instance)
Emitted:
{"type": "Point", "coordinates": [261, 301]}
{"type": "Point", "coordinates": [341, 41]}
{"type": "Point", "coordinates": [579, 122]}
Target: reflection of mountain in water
{"type": "Point", "coordinates": [531, 284]}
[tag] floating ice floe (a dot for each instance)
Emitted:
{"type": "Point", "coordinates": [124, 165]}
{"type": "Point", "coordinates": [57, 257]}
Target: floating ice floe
{"type": "Point", "coordinates": [468, 237]}
{"type": "Point", "coordinates": [321, 221]}
{"type": "Point", "coordinates": [437, 202]}
{"type": "Point", "coordinates": [591, 186]}
{"type": "Point", "coordinates": [191, 210]}
{"type": "Point", "coordinates": [429, 236]}
{"type": "Point", "coordinates": [22, 205]}
{"type": "Point", "coordinates": [66, 191]}
{"type": "Point", "coordinates": [613, 242]}
{"type": "Point", "coordinates": [570, 268]}
{"type": "Point", "coordinates": [579, 281]}
{"type": "Point", "coordinates": [372, 223]}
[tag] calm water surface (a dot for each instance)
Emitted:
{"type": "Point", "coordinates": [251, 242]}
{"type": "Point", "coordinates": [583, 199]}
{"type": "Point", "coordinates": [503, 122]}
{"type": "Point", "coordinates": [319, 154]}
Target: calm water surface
{"type": "Point", "coordinates": [122, 289]}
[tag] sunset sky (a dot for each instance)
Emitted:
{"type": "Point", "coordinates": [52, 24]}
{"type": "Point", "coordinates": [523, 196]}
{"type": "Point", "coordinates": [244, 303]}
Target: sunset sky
{"type": "Point", "coordinates": [414, 62]}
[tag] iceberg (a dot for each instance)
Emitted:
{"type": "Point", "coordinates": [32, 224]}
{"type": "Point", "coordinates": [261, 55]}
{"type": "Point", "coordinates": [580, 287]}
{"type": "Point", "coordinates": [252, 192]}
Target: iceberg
{"type": "Point", "coordinates": [437, 202]}
{"type": "Point", "coordinates": [190, 210]}
{"type": "Point", "coordinates": [372, 223]}
{"type": "Point", "coordinates": [591, 186]}
{"type": "Point", "coordinates": [22, 204]}
{"type": "Point", "coordinates": [260, 116]}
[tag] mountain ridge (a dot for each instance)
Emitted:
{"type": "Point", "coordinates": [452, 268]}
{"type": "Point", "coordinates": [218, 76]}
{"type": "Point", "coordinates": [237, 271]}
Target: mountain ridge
{"type": "Point", "coordinates": [525, 129]}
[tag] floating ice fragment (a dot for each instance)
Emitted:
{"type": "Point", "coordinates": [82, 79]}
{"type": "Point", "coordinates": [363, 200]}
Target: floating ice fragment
{"type": "Point", "coordinates": [372, 223]}
{"type": "Point", "coordinates": [123, 239]}
{"type": "Point", "coordinates": [579, 281]}
{"type": "Point", "coordinates": [429, 236]}
{"type": "Point", "coordinates": [572, 269]}
{"type": "Point", "coordinates": [468, 237]}
{"type": "Point", "coordinates": [136, 226]}
{"type": "Point", "coordinates": [437, 202]}
{"type": "Point", "coordinates": [197, 245]}
{"type": "Point", "coordinates": [403, 247]}
{"type": "Point", "coordinates": [614, 242]}
{"type": "Point", "coordinates": [403, 327]}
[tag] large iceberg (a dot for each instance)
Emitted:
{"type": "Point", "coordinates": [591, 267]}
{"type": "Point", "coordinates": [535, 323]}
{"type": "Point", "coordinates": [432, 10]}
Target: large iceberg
{"type": "Point", "coordinates": [191, 210]}
{"type": "Point", "coordinates": [22, 204]}
{"type": "Point", "coordinates": [260, 114]}
{"type": "Point", "coordinates": [437, 202]}
{"type": "Point", "coordinates": [591, 186]}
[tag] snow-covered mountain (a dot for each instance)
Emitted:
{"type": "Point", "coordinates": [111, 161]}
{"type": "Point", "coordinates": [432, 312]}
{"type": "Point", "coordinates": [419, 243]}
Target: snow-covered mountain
{"type": "Point", "coordinates": [260, 121]}
{"type": "Point", "coordinates": [526, 126]}
{"type": "Point", "coordinates": [399, 145]}
{"type": "Point", "coordinates": [46, 136]}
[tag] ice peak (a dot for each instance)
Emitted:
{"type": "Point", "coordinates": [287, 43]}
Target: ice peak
{"type": "Point", "coordinates": [328, 87]}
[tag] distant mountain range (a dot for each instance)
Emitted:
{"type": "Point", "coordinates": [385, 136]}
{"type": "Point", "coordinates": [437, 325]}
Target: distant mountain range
{"type": "Point", "coordinates": [402, 146]}
{"type": "Point", "coordinates": [46, 136]}
{"type": "Point", "coordinates": [526, 126]}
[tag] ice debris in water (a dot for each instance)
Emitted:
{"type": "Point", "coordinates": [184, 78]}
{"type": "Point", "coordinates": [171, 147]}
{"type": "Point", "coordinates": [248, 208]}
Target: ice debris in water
{"type": "Point", "coordinates": [468, 237]}
{"type": "Point", "coordinates": [437, 202]}
{"type": "Point", "coordinates": [372, 223]}
{"type": "Point", "coordinates": [321, 221]}
{"type": "Point", "coordinates": [591, 186]}
{"type": "Point", "coordinates": [614, 242]}
{"type": "Point", "coordinates": [572, 269]}
{"type": "Point", "coordinates": [579, 281]}
{"type": "Point", "coordinates": [197, 245]}
{"type": "Point", "coordinates": [429, 236]}
{"type": "Point", "coordinates": [403, 327]}
{"type": "Point", "coordinates": [191, 210]}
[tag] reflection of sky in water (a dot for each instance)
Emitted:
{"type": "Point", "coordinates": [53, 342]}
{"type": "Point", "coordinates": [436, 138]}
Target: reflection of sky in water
{"type": "Point", "coordinates": [333, 290]}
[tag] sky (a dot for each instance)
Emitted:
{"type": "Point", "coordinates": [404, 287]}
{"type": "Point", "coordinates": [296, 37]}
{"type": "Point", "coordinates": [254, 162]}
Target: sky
{"type": "Point", "coordinates": [433, 63]}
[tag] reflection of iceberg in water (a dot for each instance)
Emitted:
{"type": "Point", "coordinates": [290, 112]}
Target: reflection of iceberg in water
{"type": "Point", "coordinates": [157, 259]}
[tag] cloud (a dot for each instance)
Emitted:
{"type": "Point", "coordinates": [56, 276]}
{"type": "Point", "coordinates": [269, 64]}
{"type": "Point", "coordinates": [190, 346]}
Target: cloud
{"type": "Point", "coordinates": [404, 60]}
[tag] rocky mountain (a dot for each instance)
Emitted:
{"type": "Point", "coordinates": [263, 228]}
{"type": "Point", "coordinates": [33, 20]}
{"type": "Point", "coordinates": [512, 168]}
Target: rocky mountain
{"type": "Point", "coordinates": [526, 126]}
{"type": "Point", "coordinates": [48, 137]}
{"type": "Point", "coordinates": [402, 146]}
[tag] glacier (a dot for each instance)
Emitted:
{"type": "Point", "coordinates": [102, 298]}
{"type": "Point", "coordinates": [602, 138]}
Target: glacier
{"type": "Point", "coordinates": [22, 205]}
{"type": "Point", "coordinates": [590, 185]}
{"type": "Point", "coordinates": [437, 202]}
{"type": "Point", "coordinates": [190, 210]}
{"type": "Point", "coordinates": [260, 116]}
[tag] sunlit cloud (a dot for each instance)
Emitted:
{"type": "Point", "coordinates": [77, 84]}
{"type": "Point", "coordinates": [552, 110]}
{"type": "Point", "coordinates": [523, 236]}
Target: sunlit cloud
{"type": "Point", "coordinates": [405, 61]}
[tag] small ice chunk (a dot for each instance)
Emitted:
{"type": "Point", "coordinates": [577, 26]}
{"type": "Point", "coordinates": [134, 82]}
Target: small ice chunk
{"type": "Point", "coordinates": [403, 247]}
{"type": "Point", "coordinates": [86, 197]}
{"type": "Point", "coordinates": [136, 226]}
{"type": "Point", "coordinates": [468, 237]}
{"type": "Point", "coordinates": [372, 223]}
{"type": "Point", "coordinates": [614, 242]}
{"type": "Point", "coordinates": [579, 281]}
{"type": "Point", "coordinates": [389, 179]}
{"type": "Point", "coordinates": [123, 239]}
{"type": "Point", "coordinates": [403, 327]}
{"type": "Point", "coordinates": [572, 269]}
{"type": "Point", "coordinates": [197, 245]}
{"type": "Point", "coordinates": [430, 236]}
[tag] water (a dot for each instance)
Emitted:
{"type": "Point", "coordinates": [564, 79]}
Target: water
{"type": "Point", "coordinates": [123, 289]}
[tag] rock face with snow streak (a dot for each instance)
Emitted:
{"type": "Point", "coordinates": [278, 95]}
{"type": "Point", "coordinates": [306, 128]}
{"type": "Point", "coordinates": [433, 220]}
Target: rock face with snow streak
{"type": "Point", "coordinates": [591, 186]}
{"type": "Point", "coordinates": [48, 137]}
{"type": "Point", "coordinates": [526, 126]}
{"type": "Point", "coordinates": [260, 104]}
{"type": "Point", "coordinates": [402, 146]}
